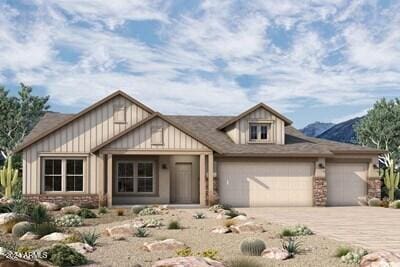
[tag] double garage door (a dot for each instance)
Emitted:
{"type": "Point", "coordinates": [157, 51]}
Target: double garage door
{"type": "Point", "coordinates": [288, 183]}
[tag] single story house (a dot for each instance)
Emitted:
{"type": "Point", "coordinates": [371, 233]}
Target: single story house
{"type": "Point", "coordinates": [120, 151]}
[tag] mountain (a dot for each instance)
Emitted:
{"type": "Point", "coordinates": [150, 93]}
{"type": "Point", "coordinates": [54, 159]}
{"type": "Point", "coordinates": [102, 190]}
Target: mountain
{"type": "Point", "coordinates": [316, 128]}
{"type": "Point", "coordinates": [341, 132]}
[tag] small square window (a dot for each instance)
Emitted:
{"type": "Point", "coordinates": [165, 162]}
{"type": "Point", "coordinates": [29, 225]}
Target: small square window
{"type": "Point", "coordinates": [258, 132]}
{"type": "Point", "coordinates": [119, 114]}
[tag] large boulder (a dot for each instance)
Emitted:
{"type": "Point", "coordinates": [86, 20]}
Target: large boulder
{"type": "Point", "coordinates": [50, 206]}
{"type": "Point", "coordinates": [165, 245]}
{"type": "Point", "coordinates": [380, 259]}
{"type": "Point", "coordinates": [29, 236]}
{"type": "Point", "coordinates": [123, 231]}
{"type": "Point", "coordinates": [55, 237]}
{"type": "Point", "coordinates": [8, 220]}
{"type": "Point", "coordinates": [71, 209]}
{"type": "Point", "coordinates": [188, 262]}
{"type": "Point", "coordinates": [275, 253]}
{"type": "Point", "coordinates": [249, 227]}
{"type": "Point", "coordinates": [81, 247]}
{"type": "Point", "coordinates": [240, 218]}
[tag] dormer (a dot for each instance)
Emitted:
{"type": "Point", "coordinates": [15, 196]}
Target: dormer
{"type": "Point", "coordinates": [258, 125]}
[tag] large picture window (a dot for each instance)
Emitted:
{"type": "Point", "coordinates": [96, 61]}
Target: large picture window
{"type": "Point", "coordinates": [135, 176]}
{"type": "Point", "coordinates": [63, 175]}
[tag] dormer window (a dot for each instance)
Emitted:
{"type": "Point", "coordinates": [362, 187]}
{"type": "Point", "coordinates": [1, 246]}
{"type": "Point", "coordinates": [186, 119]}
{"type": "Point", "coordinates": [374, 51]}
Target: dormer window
{"type": "Point", "coordinates": [259, 132]}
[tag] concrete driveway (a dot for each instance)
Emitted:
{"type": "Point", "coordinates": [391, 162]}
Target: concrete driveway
{"type": "Point", "coordinates": [368, 227]}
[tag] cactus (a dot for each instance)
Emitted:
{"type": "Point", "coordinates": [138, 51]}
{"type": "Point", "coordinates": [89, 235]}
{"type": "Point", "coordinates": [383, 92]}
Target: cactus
{"type": "Point", "coordinates": [391, 179]}
{"type": "Point", "coordinates": [21, 228]}
{"type": "Point", "coordinates": [252, 246]}
{"type": "Point", "coordinates": [8, 177]}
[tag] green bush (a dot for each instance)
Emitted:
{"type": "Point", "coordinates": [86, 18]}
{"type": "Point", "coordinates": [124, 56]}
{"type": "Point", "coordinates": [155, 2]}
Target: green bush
{"type": "Point", "coordinates": [148, 211]}
{"type": "Point", "coordinates": [39, 214]}
{"type": "Point", "coordinates": [23, 207]}
{"type": "Point", "coordinates": [243, 262]}
{"type": "Point", "coordinates": [342, 251]}
{"type": "Point", "coordinates": [8, 245]}
{"type": "Point", "coordinates": [152, 223]}
{"type": "Point", "coordinates": [174, 225]}
{"type": "Point", "coordinates": [142, 232]}
{"type": "Point", "coordinates": [103, 210]}
{"type": "Point", "coordinates": [297, 230]}
{"type": "Point", "coordinates": [354, 257]}
{"type": "Point", "coordinates": [86, 213]}
{"type": "Point", "coordinates": [252, 246]}
{"type": "Point", "coordinates": [217, 207]}
{"type": "Point", "coordinates": [63, 255]}
{"type": "Point", "coordinates": [90, 238]}
{"type": "Point", "coordinates": [395, 204]}
{"type": "Point", "coordinates": [374, 202]}
{"type": "Point", "coordinates": [199, 215]}
{"type": "Point", "coordinates": [232, 213]}
{"type": "Point", "coordinates": [292, 246]}
{"type": "Point", "coordinates": [287, 232]}
{"type": "Point", "coordinates": [21, 228]}
{"type": "Point", "coordinates": [69, 220]}
{"type": "Point", "coordinates": [44, 229]}
{"type": "Point", "coordinates": [137, 209]}
{"type": "Point", "coordinates": [209, 253]}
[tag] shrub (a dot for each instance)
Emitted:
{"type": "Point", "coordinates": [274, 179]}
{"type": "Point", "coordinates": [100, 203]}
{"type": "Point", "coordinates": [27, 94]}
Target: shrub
{"type": "Point", "coordinates": [137, 209]}
{"type": "Point", "coordinates": [103, 210]}
{"type": "Point", "coordinates": [90, 238]}
{"type": "Point", "coordinates": [217, 207]}
{"type": "Point", "coordinates": [21, 228]}
{"type": "Point", "coordinates": [120, 212]}
{"type": "Point", "coordinates": [385, 203]}
{"type": "Point", "coordinates": [292, 246]}
{"type": "Point", "coordinates": [63, 255]}
{"type": "Point", "coordinates": [44, 229]}
{"type": "Point", "coordinates": [24, 249]}
{"type": "Point", "coordinates": [342, 251]}
{"type": "Point", "coordinates": [209, 253]}
{"type": "Point", "coordinates": [8, 245]}
{"type": "Point", "coordinates": [174, 225]}
{"type": "Point", "coordinates": [287, 232]}
{"type": "Point", "coordinates": [184, 252]}
{"type": "Point", "coordinates": [252, 246]}
{"type": "Point", "coordinates": [39, 214]}
{"type": "Point", "coordinates": [354, 257]}
{"type": "Point", "coordinates": [374, 202]}
{"type": "Point", "coordinates": [199, 215]}
{"type": "Point", "coordinates": [297, 230]}
{"type": "Point", "coordinates": [5, 208]}
{"type": "Point", "coordinates": [244, 262]}
{"type": "Point", "coordinates": [229, 222]}
{"type": "Point", "coordinates": [74, 238]}
{"type": "Point", "coordinates": [395, 204]}
{"type": "Point", "coordinates": [69, 220]}
{"type": "Point", "coordinates": [152, 223]}
{"type": "Point", "coordinates": [86, 213]}
{"type": "Point", "coordinates": [23, 207]}
{"type": "Point", "coordinates": [232, 213]}
{"type": "Point", "coordinates": [149, 211]}
{"type": "Point", "coordinates": [142, 232]}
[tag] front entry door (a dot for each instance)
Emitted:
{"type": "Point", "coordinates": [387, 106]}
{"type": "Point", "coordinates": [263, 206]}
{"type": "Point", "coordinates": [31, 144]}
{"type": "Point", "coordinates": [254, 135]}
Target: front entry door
{"type": "Point", "coordinates": [183, 183]}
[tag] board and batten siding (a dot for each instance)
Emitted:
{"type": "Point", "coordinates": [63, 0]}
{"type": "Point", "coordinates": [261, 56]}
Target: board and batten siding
{"type": "Point", "coordinates": [140, 139]}
{"type": "Point", "coordinates": [77, 138]}
{"type": "Point", "coordinates": [239, 131]}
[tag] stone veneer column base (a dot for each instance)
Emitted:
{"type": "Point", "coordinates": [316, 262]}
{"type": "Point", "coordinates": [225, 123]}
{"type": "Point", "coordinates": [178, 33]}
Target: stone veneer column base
{"type": "Point", "coordinates": [211, 200]}
{"type": "Point", "coordinates": [320, 191]}
{"type": "Point", "coordinates": [84, 200]}
{"type": "Point", "coordinates": [374, 187]}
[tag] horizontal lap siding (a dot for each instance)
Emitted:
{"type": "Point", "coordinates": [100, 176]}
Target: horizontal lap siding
{"type": "Point", "coordinates": [79, 136]}
{"type": "Point", "coordinates": [173, 138]}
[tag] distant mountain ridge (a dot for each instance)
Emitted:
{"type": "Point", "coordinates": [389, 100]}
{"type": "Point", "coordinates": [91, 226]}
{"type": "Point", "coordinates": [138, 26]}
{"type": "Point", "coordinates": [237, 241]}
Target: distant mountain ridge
{"type": "Point", "coordinates": [316, 128]}
{"type": "Point", "coordinates": [341, 132]}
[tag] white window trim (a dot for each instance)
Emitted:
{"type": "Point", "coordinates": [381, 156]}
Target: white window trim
{"type": "Point", "coordinates": [63, 175]}
{"type": "Point", "coordinates": [135, 177]}
{"type": "Point", "coordinates": [269, 139]}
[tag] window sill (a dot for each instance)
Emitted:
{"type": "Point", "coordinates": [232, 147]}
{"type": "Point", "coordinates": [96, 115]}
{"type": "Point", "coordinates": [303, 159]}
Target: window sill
{"type": "Point", "coordinates": [122, 194]}
{"type": "Point", "coordinates": [259, 142]}
{"type": "Point", "coordinates": [63, 193]}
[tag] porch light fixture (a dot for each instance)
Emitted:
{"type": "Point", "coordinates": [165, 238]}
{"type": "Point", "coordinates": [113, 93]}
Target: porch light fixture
{"type": "Point", "coordinates": [164, 166]}
{"type": "Point", "coordinates": [321, 166]}
{"type": "Point", "coordinates": [376, 166]}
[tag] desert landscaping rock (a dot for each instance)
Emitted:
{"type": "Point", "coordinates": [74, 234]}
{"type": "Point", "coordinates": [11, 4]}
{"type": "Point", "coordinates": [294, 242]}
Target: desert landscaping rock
{"type": "Point", "coordinates": [380, 259]}
{"type": "Point", "coordinates": [81, 247]}
{"type": "Point", "coordinates": [70, 209]}
{"type": "Point", "coordinates": [240, 218]}
{"type": "Point", "coordinates": [249, 227]}
{"type": "Point", "coordinates": [188, 262]}
{"type": "Point", "coordinates": [124, 230]}
{"type": "Point", "coordinates": [50, 206]}
{"type": "Point", "coordinates": [8, 220]}
{"type": "Point", "coordinates": [168, 244]}
{"type": "Point", "coordinates": [275, 253]}
{"type": "Point", "coordinates": [220, 230]}
{"type": "Point", "coordinates": [55, 237]}
{"type": "Point", "coordinates": [29, 236]}
{"type": "Point", "coordinates": [222, 216]}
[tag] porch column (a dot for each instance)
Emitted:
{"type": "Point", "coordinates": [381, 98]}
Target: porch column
{"type": "Point", "coordinates": [210, 179]}
{"type": "Point", "coordinates": [202, 180]}
{"type": "Point", "coordinates": [109, 180]}
{"type": "Point", "coordinates": [101, 176]}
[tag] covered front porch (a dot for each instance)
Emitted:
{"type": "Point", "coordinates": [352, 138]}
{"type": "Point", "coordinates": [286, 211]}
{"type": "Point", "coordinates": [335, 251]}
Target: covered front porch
{"type": "Point", "coordinates": [133, 177]}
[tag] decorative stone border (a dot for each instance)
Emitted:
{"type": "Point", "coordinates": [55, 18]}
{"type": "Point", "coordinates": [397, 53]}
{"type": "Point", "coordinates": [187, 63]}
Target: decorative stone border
{"type": "Point", "coordinates": [84, 200]}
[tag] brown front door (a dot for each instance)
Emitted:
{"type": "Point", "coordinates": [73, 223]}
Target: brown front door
{"type": "Point", "coordinates": [183, 183]}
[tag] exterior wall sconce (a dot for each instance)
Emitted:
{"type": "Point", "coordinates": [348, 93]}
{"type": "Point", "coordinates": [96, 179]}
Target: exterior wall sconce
{"type": "Point", "coordinates": [376, 166]}
{"type": "Point", "coordinates": [164, 166]}
{"type": "Point", "coordinates": [321, 166]}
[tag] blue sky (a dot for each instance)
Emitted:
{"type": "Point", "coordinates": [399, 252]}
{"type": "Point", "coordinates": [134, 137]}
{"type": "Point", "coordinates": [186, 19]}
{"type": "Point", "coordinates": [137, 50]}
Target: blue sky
{"type": "Point", "coordinates": [311, 60]}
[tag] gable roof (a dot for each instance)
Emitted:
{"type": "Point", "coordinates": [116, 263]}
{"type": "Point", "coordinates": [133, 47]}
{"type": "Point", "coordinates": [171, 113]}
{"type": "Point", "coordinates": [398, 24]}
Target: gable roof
{"type": "Point", "coordinates": [144, 121]}
{"type": "Point", "coordinates": [61, 121]}
{"type": "Point", "coordinates": [254, 108]}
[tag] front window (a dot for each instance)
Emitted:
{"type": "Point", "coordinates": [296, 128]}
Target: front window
{"type": "Point", "coordinates": [259, 132]}
{"type": "Point", "coordinates": [63, 175]}
{"type": "Point", "coordinates": [135, 177]}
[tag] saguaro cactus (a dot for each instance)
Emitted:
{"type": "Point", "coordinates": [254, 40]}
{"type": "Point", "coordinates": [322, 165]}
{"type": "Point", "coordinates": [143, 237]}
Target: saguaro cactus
{"type": "Point", "coordinates": [391, 179]}
{"type": "Point", "coordinates": [8, 177]}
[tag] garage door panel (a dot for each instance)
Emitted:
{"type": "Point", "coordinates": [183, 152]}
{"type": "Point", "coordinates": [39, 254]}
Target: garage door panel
{"type": "Point", "coordinates": [346, 183]}
{"type": "Point", "coordinates": [266, 183]}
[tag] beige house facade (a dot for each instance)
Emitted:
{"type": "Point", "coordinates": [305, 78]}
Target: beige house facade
{"type": "Point", "coordinates": [120, 152]}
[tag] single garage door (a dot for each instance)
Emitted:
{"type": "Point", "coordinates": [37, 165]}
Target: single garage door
{"type": "Point", "coordinates": [346, 182]}
{"type": "Point", "coordinates": [266, 183]}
